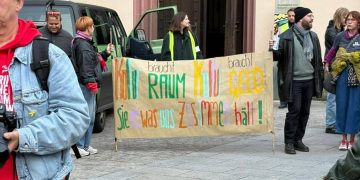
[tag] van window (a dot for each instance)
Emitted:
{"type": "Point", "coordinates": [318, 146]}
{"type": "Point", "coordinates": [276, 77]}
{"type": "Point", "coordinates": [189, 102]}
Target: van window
{"type": "Point", "coordinates": [156, 24]}
{"type": "Point", "coordinates": [37, 14]}
{"type": "Point", "coordinates": [102, 26]}
{"type": "Point", "coordinates": [118, 30]}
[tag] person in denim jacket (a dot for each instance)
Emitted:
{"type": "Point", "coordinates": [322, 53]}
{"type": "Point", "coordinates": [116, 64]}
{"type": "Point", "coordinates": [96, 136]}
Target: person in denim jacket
{"type": "Point", "coordinates": [49, 122]}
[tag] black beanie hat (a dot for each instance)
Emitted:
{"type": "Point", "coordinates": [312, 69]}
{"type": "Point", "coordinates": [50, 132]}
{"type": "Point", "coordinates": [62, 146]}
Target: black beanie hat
{"type": "Point", "coordinates": [300, 12]}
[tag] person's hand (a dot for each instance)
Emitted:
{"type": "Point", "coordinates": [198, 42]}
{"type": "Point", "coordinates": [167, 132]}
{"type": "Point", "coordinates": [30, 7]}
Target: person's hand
{"type": "Point", "coordinates": [326, 67]}
{"type": "Point", "coordinates": [92, 87]}
{"type": "Point", "coordinates": [110, 48]}
{"type": "Point", "coordinates": [13, 140]}
{"type": "Point", "coordinates": [271, 44]}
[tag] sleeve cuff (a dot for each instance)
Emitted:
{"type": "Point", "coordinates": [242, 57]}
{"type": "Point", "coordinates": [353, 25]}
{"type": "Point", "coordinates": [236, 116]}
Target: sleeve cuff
{"type": "Point", "coordinates": [26, 142]}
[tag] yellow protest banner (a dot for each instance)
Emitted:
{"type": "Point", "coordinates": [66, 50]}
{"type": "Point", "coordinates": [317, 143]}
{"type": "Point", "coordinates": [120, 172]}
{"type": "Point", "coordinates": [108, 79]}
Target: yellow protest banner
{"type": "Point", "coordinates": [217, 96]}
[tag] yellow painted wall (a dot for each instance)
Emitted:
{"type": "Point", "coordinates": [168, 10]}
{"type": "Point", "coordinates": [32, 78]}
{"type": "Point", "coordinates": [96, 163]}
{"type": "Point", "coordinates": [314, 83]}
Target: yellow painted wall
{"type": "Point", "coordinates": [322, 10]}
{"type": "Point", "coordinates": [124, 8]}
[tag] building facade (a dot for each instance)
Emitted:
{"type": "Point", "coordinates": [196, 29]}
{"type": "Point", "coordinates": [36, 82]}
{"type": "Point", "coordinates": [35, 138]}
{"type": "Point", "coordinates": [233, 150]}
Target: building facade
{"type": "Point", "coordinates": [232, 26]}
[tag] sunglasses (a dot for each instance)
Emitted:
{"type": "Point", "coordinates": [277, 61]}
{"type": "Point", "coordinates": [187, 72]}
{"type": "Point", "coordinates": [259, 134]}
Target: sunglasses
{"type": "Point", "coordinates": [53, 13]}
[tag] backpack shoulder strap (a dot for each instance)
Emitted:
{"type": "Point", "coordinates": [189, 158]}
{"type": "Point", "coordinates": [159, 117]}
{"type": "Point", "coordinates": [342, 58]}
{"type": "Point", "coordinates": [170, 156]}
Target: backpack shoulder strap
{"type": "Point", "coordinates": [41, 64]}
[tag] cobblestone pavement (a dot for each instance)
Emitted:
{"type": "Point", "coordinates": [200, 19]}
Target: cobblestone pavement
{"type": "Point", "coordinates": [223, 157]}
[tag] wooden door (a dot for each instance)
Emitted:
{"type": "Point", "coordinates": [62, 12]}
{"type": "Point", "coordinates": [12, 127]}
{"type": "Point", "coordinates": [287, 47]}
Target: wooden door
{"type": "Point", "coordinates": [233, 27]}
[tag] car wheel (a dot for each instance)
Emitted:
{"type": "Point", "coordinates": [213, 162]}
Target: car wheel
{"type": "Point", "coordinates": [99, 123]}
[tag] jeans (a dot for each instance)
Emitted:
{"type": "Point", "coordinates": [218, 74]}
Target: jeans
{"type": "Point", "coordinates": [330, 110]}
{"type": "Point", "coordinates": [91, 102]}
{"type": "Point", "coordinates": [298, 110]}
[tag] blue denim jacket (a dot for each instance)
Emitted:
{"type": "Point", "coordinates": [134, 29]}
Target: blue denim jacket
{"type": "Point", "coordinates": [48, 122]}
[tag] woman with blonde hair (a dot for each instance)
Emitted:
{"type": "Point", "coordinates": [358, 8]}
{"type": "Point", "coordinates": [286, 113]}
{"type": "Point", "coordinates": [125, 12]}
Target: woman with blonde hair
{"type": "Point", "coordinates": [336, 25]}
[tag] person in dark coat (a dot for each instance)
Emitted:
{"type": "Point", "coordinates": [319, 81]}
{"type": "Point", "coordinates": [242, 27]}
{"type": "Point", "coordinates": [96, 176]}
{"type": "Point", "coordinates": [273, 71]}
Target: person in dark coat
{"type": "Point", "coordinates": [87, 65]}
{"type": "Point", "coordinates": [180, 43]}
{"type": "Point", "coordinates": [54, 32]}
{"type": "Point", "coordinates": [335, 26]}
{"type": "Point", "coordinates": [301, 76]}
{"type": "Point", "coordinates": [291, 22]}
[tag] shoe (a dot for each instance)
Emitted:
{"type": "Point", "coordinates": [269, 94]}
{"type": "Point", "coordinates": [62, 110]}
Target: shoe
{"type": "Point", "coordinates": [91, 150]}
{"type": "Point", "coordinates": [350, 144]}
{"type": "Point", "coordinates": [343, 146]}
{"type": "Point", "coordinates": [289, 148]}
{"type": "Point", "coordinates": [282, 105]}
{"type": "Point", "coordinates": [83, 152]}
{"type": "Point", "coordinates": [300, 146]}
{"type": "Point", "coordinates": [331, 130]}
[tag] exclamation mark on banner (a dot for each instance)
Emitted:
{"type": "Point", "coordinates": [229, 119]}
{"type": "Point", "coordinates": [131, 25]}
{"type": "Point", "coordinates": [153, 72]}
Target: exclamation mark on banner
{"type": "Point", "coordinates": [260, 111]}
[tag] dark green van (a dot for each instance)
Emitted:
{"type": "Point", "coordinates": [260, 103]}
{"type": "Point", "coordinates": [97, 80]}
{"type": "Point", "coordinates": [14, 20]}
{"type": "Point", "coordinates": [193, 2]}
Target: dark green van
{"type": "Point", "coordinates": [108, 28]}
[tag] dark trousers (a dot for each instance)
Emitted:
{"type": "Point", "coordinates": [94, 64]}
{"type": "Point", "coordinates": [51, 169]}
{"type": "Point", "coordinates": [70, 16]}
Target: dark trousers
{"type": "Point", "coordinates": [298, 110]}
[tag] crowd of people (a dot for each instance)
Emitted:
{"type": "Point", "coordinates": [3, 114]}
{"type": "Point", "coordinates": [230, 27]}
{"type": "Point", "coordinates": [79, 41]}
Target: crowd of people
{"type": "Point", "coordinates": [301, 76]}
{"type": "Point", "coordinates": [37, 148]}
{"type": "Point", "coordinates": [40, 150]}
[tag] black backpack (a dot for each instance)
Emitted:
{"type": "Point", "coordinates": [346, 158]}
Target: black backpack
{"type": "Point", "coordinates": [41, 63]}
{"type": "Point", "coordinates": [41, 67]}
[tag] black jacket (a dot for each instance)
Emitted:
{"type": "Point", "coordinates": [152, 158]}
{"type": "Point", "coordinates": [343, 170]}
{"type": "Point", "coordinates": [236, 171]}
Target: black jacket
{"type": "Point", "coordinates": [285, 57]}
{"type": "Point", "coordinates": [86, 62]}
{"type": "Point", "coordinates": [62, 39]}
{"type": "Point", "coordinates": [182, 47]}
{"type": "Point", "coordinates": [330, 35]}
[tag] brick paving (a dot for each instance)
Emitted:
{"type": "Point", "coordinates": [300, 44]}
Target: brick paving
{"type": "Point", "coordinates": [223, 157]}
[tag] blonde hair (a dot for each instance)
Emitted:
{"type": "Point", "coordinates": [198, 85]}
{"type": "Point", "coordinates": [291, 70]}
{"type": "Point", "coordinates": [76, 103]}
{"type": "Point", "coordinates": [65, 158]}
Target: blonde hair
{"type": "Point", "coordinates": [83, 23]}
{"type": "Point", "coordinates": [339, 15]}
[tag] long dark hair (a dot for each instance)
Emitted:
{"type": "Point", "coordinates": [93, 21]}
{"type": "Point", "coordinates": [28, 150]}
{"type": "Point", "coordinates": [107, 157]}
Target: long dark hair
{"type": "Point", "coordinates": [175, 25]}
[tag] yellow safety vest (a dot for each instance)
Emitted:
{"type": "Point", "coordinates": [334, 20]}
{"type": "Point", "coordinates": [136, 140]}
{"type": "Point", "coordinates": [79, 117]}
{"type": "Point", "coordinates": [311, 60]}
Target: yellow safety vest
{"type": "Point", "coordinates": [171, 45]}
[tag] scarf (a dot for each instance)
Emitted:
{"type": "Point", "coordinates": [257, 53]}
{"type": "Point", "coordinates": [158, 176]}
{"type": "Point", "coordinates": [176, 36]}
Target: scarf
{"type": "Point", "coordinates": [306, 41]}
{"type": "Point", "coordinates": [82, 35]}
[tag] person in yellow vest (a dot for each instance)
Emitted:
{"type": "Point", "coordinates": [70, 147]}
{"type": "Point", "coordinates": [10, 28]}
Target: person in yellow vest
{"type": "Point", "coordinates": [180, 43]}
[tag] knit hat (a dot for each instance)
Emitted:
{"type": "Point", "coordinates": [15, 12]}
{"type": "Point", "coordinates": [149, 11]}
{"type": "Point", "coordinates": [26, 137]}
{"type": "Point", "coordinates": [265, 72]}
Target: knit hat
{"type": "Point", "coordinates": [300, 12]}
